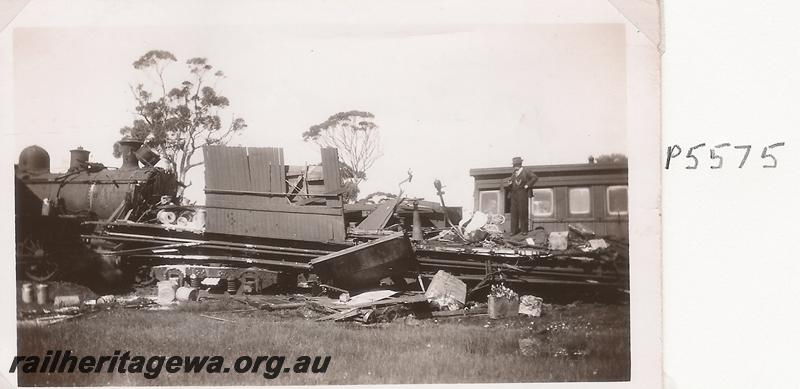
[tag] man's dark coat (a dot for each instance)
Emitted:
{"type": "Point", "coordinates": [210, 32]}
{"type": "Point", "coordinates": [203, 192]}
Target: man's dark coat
{"type": "Point", "coordinates": [520, 188]}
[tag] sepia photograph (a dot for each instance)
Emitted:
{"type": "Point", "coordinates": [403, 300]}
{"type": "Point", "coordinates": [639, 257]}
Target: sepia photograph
{"type": "Point", "coordinates": [312, 193]}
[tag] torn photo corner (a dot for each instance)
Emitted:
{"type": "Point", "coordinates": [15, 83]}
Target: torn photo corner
{"type": "Point", "coordinates": [316, 193]}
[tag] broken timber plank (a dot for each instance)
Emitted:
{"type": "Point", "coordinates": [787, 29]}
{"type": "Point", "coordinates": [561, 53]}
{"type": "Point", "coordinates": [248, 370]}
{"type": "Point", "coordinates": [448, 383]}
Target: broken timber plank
{"type": "Point", "coordinates": [321, 307]}
{"type": "Point", "coordinates": [391, 301]}
{"type": "Point", "coordinates": [378, 218]}
{"type": "Point", "coordinates": [275, 307]}
{"type": "Point", "coordinates": [460, 312]}
{"type": "Point", "coordinates": [218, 318]}
{"type": "Point", "coordinates": [267, 172]}
{"type": "Point", "coordinates": [330, 171]}
{"type": "Point", "coordinates": [348, 311]}
{"type": "Point", "coordinates": [340, 315]}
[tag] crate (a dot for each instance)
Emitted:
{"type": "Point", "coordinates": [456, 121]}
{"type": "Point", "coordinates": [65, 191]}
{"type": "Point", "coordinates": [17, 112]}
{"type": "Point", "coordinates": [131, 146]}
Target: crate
{"type": "Point", "coordinates": [502, 307]}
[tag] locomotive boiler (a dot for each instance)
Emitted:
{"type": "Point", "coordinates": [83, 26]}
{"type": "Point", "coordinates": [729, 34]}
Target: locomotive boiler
{"type": "Point", "coordinates": [51, 208]}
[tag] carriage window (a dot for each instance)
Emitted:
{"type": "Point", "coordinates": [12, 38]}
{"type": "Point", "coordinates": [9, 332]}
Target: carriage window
{"type": "Point", "coordinates": [617, 200]}
{"type": "Point", "coordinates": [489, 201]}
{"type": "Point", "coordinates": [541, 204]}
{"type": "Point", "coordinates": [580, 201]}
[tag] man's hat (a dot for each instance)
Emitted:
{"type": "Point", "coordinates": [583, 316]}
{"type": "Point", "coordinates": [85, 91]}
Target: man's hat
{"type": "Point", "coordinates": [516, 161]}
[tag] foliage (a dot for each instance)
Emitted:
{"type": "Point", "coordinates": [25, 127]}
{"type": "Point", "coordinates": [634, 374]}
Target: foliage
{"type": "Point", "coordinates": [350, 186]}
{"type": "Point", "coordinates": [348, 173]}
{"type": "Point", "coordinates": [356, 137]}
{"type": "Point", "coordinates": [609, 158]}
{"type": "Point", "coordinates": [176, 122]}
{"type": "Point", "coordinates": [350, 191]}
{"type": "Point", "coordinates": [369, 199]}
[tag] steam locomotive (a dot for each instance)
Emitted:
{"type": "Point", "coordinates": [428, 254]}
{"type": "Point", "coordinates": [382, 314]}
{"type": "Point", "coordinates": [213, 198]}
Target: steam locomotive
{"type": "Point", "coordinates": [52, 208]}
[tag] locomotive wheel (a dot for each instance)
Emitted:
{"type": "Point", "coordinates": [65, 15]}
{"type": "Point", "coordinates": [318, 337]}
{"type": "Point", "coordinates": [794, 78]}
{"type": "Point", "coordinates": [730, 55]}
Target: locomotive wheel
{"type": "Point", "coordinates": [41, 271]}
{"type": "Point", "coordinates": [30, 248]}
{"type": "Point", "coordinates": [37, 266]}
{"type": "Point", "coordinates": [143, 276]}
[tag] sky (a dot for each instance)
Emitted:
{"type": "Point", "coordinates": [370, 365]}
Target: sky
{"type": "Point", "coordinates": [447, 98]}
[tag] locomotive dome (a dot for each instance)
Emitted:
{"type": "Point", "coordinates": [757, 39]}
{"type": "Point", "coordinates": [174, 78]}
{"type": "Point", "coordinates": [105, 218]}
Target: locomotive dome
{"type": "Point", "coordinates": [34, 159]}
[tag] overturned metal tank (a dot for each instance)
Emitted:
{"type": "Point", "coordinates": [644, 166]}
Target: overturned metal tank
{"type": "Point", "coordinates": [364, 265]}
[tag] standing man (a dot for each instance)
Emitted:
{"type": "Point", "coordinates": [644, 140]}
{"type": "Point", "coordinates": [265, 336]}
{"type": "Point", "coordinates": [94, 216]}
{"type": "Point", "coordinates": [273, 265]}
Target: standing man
{"type": "Point", "coordinates": [520, 184]}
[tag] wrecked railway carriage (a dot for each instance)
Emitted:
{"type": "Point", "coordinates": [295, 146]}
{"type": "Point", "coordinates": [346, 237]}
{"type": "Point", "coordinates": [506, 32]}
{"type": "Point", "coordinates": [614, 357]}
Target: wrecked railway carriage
{"type": "Point", "coordinates": [594, 195]}
{"type": "Point", "coordinates": [266, 223]}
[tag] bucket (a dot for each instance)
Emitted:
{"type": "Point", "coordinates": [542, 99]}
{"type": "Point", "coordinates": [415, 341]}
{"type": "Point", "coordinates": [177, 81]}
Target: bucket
{"type": "Point", "coordinates": [42, 294]}
{"type": "Point", "coordinates": [502, 307]}
{"type": "Point", "coordinates": [166, 292]}
{"type": "Point", "coordinates": [185, 293]}
{"type": "Point", "coordinates": [27, 293]}
{"type": "Point", "coordinates": [199, 219]}
{"type": "Point", "coordinates": [232, 287]}
{"type": "Point", "coordinates": [194, 281]}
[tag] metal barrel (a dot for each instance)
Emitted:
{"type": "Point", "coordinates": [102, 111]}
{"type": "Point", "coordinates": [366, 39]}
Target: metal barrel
{"type": "Point", "coordinates": [27, 293]}
{"type": "Point", "coordinates": [42, 294]}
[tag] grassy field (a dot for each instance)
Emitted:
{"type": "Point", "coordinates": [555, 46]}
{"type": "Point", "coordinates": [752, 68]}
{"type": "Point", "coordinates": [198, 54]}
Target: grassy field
{"type": "Point", "coordinates": [575, 342]}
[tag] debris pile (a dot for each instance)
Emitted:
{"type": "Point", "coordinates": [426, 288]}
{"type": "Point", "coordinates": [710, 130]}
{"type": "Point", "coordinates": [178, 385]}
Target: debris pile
{"type": "Point", "coordinates": [369, 307]}
{"type": "Point", "coordinates": [445, 297]}
{"type": "Point", "coordinates": [478, 238]}
{"type": "Point", "coordinates": [482, 230]}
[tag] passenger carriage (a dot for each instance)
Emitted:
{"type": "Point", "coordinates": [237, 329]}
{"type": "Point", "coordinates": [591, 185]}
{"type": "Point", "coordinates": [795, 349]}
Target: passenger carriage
{"type": "Point", "coordinates": [592, 194]}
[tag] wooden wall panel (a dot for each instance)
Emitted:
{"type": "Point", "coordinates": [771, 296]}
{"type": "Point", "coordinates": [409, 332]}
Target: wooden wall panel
{"type": "Point", "coordinates": [267, 172]}
{"type": "Point", "coordinates": [560, 199]}
{"type": "Point", "coordinates": [226, 167]}
{"type": "Point", "coordinates": [599, 201]}
{"type": "Point", "coordinates": [235, 201]}
{"type": "Point", "coordinates": [617, 229]}
{"type": "Point", "coordinates": [258, 159]}
{"type": "Point", "coordinates": [261, 209]}
{"type": "Point", "coordinates": [277, 173]}
{"type": "Point", "coordinates": [277, 225]}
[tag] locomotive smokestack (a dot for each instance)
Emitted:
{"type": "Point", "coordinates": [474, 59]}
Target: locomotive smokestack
{"type": "Point", "coordinates": [77, 158]}
{"type": "Point", "coordinates": [128, 148]}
